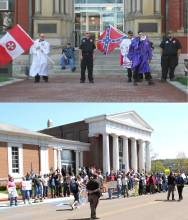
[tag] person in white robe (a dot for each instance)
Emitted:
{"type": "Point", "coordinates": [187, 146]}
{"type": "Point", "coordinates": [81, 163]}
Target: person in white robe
{"type": "Point", "coordinates": [124, 49]}
{"type": "Point", "coordinates": [39, 67]}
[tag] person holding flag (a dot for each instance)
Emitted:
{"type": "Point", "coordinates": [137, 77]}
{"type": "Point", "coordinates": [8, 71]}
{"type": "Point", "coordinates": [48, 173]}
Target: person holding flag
{"type": "Point", "coordinates": [40, 51]}
{"type": "Point", "coordinates": [124, 49]}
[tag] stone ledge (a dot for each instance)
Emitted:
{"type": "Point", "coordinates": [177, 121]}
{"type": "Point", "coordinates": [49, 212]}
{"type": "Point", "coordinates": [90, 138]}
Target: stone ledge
{"type": "Point", "coordinates": [10, 82]}
{"type": "Point", "coordinates": [179, 86]}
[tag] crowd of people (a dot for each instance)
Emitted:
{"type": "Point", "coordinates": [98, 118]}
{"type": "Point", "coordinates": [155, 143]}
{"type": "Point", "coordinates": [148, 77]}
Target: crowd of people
{"type": "Point", "coordinates": [120, 184]}
{"type": "Point", "coordinates": [136, 52]}
{"type": "Point", "coordinates": [94, 183]}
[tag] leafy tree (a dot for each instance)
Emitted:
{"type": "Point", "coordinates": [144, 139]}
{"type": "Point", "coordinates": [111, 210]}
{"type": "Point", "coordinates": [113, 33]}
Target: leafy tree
{"type": "Point", "coordinates": [157, 166]}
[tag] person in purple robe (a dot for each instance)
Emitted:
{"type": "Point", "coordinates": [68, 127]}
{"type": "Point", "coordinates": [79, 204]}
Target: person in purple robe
{"type": "Point", "coordinates": [140, 53]}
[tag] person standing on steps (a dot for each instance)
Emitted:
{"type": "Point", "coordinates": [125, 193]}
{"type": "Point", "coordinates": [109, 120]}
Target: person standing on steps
{"type": "Point", "coordinates": [170, 52]}
{"type": "Point", "coordinates": [86, 54]}
{"type": "Point", "coordinates": [39, 67]}
{"type": "Point", "coordinates": [140, 53]}
{"type": "Point", "coordinates": [124, 49]}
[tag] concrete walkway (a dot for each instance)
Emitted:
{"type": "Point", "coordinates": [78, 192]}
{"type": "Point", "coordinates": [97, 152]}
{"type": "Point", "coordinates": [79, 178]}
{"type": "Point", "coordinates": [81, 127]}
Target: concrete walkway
{"type": "Point", "coordinates": [105, 89]}
{"type": "Point", "coordinates": [4, 203]}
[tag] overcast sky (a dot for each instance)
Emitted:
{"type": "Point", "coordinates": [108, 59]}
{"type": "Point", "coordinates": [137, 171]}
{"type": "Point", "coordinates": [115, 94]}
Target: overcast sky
{"type": "Point", "coordinates": [169, 121]}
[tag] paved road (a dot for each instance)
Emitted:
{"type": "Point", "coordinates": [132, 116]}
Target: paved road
{"type": "Point", "coordinates": [153, 207]}
{"type": "Point", "coordinates": [105, 89]}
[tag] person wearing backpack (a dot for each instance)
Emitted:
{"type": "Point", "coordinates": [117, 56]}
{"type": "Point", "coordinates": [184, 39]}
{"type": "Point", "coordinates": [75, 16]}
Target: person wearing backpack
{"type": "Point", "coordinates": [74, 188]}
{"type": "Point", "coordinates": [180, 184]}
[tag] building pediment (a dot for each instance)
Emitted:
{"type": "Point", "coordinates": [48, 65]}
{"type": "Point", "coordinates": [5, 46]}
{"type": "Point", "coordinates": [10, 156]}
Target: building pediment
{"type": "Point", "coordinates": [131, 119]}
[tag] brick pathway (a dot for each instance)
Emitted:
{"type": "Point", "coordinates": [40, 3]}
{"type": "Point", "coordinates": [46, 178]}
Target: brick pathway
{"type": "Point", "coordinates": [105, 89]}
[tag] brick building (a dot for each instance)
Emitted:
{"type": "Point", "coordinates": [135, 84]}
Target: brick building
{"type": "Point", "coordinates": [22, 151]}
{"type": "Point", "coordinates": [119, 141]}
{"type": "Point", "coordinates": [24, 17]}
{"type": "Point", "coordinates": [175, 18]}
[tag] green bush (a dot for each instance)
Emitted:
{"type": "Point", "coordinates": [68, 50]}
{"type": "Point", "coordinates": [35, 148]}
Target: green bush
{"type": "Point", "coordinates": [3, 188]}
{"type": "Point", "coordinates": [4, 78]}
{"type": "Point", "coordinates": [183, 80]}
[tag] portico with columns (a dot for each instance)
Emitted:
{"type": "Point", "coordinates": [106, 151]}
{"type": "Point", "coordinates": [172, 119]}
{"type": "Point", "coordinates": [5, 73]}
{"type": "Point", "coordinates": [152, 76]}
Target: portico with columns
{"type": "Point", "coordinates": [131, 141]}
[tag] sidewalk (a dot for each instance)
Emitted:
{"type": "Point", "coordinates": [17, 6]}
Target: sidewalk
{"type": "Point", "coordinates": [11, 81]}
{"type": "Point", "coordinates": [105, 89]}
{"type": "Point", "coordinates": [4, 203]}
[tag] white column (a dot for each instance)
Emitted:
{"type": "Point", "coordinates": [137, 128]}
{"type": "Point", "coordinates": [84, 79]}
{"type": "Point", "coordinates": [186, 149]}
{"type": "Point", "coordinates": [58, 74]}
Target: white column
{"type": "Point", "coordinates": [56, 7]}
{"type": "Point", "coordinates": [81, 158]}
{"type": "Point", "coordinates": [37, 6]}
{"type": "Point", "coordinates": [133, 5]}
{"type": "Point", "coordinates": [141, 156]}
{"type": "Point", "coordinates": [134, 163]}
{"type": "Point", "coordinates": [115, 153]}
{"type": "Point", "coordinates": [77, 161]}
{"type": "Point", "coordinates": [59, 159]}
{"type": "Point", "coordinates": [128, 6]}
{"type": "Point", "coordinates": [125, 154]}
{"type": "Point", "coordinates": [44, 166]}
{"type": "Point", "coordinates": [138, 6]}
{"type": "Point", "coordinates": [157, 6]}
{"type": "Point", "coordinates": [106, 154]}
{"type": "Point", "coordinates": [148, 159]}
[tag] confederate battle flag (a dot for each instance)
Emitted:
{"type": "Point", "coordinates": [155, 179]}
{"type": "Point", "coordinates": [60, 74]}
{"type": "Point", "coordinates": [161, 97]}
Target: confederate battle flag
{"type": "Point", "coordinates": [14, 43]}
{"type": "Point", "coordinates": [109, 40]}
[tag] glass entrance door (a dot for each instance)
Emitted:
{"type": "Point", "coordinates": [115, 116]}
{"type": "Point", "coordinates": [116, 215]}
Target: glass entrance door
{"type": "Point", "coordinates": [67, 168]}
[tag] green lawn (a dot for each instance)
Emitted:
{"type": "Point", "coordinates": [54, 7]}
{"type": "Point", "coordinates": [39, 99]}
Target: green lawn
{"type": "Point", "coordinates": [4, 78]}
{"type": "Point", "coordinates": [183, 80]}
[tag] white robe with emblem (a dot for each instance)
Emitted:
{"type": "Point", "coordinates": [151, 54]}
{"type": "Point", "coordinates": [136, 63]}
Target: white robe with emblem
{"type": "Point", "coordinates": [40, 51]}
{"type": "Point", "coordinates": [124, 48]}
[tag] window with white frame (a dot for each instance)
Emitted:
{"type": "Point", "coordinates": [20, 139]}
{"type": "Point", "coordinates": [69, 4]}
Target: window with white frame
{"type": "Point", "coordinates": [15, 159]}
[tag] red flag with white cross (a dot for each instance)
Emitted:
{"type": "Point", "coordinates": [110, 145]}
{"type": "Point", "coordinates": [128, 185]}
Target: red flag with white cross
{"type": "Point", "coordinates": [14, 43]}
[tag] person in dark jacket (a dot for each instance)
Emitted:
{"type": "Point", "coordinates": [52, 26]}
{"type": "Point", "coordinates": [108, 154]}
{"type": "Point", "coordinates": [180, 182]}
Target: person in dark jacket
{"type": "Point", "coordinates": [170, 52]}
{"type": "Point", "coordinates": [94, 193]}
{"type": "Point", "coordinates": [180, 184]}
{"type": "Point", "coordinates": [87, 48]}
{"type": "Point", "coordinates": [171, 185]}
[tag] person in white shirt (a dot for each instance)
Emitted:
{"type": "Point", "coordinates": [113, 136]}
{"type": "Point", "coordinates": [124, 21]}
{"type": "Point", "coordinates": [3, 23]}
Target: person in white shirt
{"type": "Point", "coordinates": [39, 67]}
{"type": "Point", "coordinates": [124, 49]}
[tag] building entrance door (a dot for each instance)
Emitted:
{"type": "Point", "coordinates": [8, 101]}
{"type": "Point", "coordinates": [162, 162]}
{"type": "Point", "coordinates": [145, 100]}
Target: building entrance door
{"type": "Point", "coordinates": [87, 21]}
{"type": "Point", "coordinates": [67, 168]}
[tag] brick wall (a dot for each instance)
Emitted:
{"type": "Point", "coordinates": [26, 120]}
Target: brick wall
{"type": "Point", "coordinates": [22, 13]}
{"type": "Point", "coordinates": [184, 43]}
{"type": "Point", "coordinates": [94, 156]}
{"type": "Point", "coordinates": [3, 160]}
{"type": "Point", "coordinates": [175, 21]}
{"type": "Point", "coordinates": [51, 158]}
{"type": "Point", "coordinates": [31, 158]}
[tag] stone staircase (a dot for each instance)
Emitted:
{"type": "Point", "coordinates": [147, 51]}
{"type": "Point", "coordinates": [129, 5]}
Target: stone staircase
{"type": "Point", "coordinates": [103, 65]}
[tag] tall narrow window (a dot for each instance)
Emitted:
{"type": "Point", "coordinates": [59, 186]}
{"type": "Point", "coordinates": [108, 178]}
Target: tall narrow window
{"type": "Point", "coordinates": [15, 160]}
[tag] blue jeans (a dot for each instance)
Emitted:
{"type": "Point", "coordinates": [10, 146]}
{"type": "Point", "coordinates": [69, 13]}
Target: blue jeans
{"type": "Point", "coordinates": [110, 193]}
{"type": "Point", "coordinates": [69, 62]}
{"type": "Point", "coordinates": [38, 191]}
